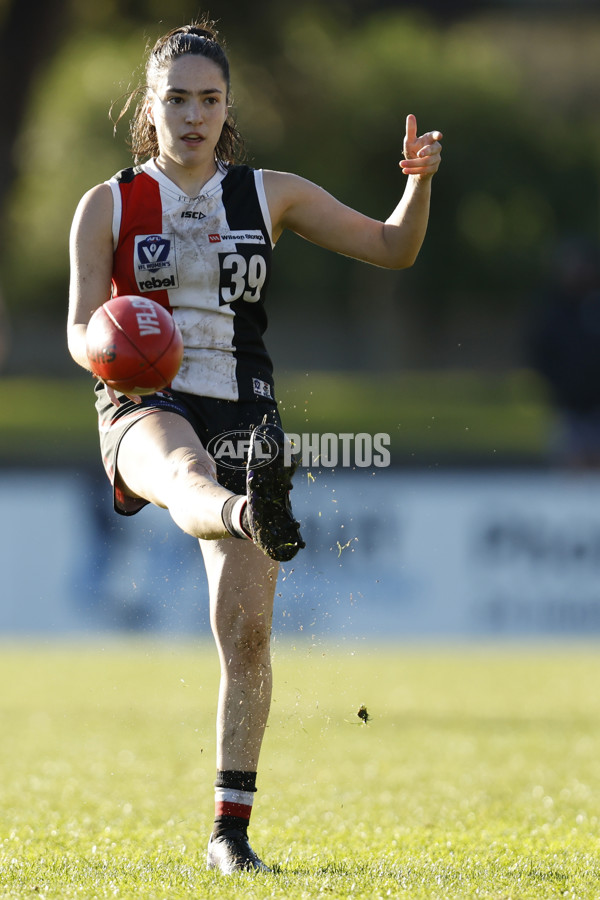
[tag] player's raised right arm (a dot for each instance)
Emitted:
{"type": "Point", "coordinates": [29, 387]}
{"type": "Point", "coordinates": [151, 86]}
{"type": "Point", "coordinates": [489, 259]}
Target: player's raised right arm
{"type": "Point", "coordinates": [91, 254]}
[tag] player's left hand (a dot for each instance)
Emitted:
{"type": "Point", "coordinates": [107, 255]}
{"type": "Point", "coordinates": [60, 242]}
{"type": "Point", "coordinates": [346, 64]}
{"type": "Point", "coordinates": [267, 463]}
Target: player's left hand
{"type": "Point", "coordinates": [422, 155]}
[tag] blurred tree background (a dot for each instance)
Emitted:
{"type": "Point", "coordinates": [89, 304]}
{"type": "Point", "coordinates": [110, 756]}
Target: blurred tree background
{"type": "Point", "coordinates": [323, 89]}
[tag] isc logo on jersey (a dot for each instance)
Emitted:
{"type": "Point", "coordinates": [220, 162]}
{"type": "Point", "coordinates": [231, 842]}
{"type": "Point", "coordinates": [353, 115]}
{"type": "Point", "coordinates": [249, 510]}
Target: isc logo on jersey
{"type": "Point", "coordinates": [155, 262]}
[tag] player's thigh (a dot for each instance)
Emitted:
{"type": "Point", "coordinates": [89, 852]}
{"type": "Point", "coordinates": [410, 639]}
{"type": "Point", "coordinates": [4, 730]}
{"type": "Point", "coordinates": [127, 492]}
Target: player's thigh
{"type": "Point", "coordinates": [155, 451]}
{"type": "Point", "coordinates": [241, 581]}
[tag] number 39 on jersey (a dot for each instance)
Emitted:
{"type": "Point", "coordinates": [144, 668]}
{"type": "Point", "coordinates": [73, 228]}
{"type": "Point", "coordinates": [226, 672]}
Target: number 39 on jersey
{"type": "Point", "coordinates": [242, 275]}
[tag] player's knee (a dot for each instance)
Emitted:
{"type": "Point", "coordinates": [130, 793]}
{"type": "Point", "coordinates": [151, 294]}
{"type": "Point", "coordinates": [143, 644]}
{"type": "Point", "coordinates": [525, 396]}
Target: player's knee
{"type": "Point", "coordinates": [248, 641]}
{"type": "Point", "coordinates": [254, 641]}
{"type": "Point", "coordinates": [186, 466]}
{"type": "Point", "coordinates": [188, 480]}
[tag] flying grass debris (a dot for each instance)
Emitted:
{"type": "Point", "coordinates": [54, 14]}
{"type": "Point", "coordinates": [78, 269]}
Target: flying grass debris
{"type": "Point", "coordinates": [363, 714]}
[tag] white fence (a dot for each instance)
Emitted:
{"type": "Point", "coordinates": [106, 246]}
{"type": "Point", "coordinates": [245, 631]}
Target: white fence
{"type": "Point", "coordinates": [390, 554]}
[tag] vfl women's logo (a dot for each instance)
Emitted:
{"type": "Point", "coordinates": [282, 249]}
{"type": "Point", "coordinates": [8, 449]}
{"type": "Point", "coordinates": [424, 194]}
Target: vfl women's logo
{"type": "Point", "coordinates": [155, 253]}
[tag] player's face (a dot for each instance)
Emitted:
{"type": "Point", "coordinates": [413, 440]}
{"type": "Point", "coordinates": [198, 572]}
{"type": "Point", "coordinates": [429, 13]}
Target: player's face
{"type": "Point", "coordinates": [188, 107]}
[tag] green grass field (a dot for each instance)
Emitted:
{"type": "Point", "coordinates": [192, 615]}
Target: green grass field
{"type": "Point", "coordinates": [477, 777]}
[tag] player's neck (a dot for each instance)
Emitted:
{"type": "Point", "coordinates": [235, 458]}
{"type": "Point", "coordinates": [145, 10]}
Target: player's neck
{"type": "Point", "coordinates": [189, 180]}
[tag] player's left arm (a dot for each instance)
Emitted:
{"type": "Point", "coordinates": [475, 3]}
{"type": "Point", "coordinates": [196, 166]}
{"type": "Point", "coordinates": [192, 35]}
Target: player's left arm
{"type": "Point", "coordinates": [303, 207]}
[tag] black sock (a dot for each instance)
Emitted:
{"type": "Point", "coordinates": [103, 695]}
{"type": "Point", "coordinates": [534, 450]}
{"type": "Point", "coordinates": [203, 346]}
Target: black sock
{"type": "Point", "coordinates": [234, 793]}
{"type": "Point", "coordinates": [227, 515]}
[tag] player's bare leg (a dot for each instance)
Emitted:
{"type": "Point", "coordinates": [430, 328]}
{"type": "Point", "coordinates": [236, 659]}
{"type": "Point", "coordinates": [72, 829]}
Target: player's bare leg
{"type": "Point", "coordinates": [162, 460]}
{"type": "Point", "coordinates": [241, 582]}
{"type": "Point", "coordinates": [242, 586]}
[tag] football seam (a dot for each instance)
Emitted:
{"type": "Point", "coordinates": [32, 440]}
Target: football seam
{"type": "Point", "coordinates": [163, 354]}
{"type": "Point", "coordinates": [135, 346]}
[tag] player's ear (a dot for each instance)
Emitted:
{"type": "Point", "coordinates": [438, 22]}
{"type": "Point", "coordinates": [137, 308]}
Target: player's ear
{"type": "Point", "coordinates": [148, 109]}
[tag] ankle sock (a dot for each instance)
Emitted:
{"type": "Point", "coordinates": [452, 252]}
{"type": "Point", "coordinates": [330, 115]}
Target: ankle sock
{"type": "Point", "coordinates": [235, 516]}
{"type": "Point", "coordinates": [234, 795]}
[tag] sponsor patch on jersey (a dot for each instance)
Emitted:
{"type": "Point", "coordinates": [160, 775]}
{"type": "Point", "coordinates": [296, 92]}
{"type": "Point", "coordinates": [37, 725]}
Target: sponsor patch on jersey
{"type": "Point", "coordinates": [262, 388]}
{"type": "Point", "coordinates": [192, 214]}
{"type": "Point", "coordinates": [238, 237]}
{"type": "Point", "coordinates": [155, 262]}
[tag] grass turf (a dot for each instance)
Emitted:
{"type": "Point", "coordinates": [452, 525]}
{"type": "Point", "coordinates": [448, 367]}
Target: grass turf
{"type": "Point", "coordinates": [477, 775]}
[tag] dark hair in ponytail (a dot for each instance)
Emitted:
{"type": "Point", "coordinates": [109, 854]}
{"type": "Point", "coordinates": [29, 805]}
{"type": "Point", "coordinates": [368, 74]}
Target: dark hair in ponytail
{"type": "Point", "coordinates": [199, 39]}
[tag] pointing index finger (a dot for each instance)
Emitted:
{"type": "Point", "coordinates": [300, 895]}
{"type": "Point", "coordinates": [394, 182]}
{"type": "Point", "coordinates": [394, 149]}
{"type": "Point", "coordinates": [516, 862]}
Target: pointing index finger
{"type": "Point", "coordinates": [411, 128]}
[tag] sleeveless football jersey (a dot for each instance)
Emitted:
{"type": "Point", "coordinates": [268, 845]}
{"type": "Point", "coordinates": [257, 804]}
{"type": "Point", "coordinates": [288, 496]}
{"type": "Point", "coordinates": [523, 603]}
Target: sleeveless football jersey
{"type": "Point", "coordinates": [206, 259]}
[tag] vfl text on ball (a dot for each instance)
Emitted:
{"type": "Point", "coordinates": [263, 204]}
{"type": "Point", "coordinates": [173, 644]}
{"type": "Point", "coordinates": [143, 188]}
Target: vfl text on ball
{"type": "Point", "coordinates": [147, 318]}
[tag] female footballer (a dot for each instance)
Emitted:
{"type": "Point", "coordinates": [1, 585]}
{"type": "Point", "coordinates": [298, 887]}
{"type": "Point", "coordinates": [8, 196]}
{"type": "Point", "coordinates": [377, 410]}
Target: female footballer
{"type": "Point", "coordinates": [194, 230]}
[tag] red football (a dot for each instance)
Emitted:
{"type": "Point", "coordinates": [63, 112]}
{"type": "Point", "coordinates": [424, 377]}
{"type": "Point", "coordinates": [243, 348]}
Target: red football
{"type": "Point", "coordinates": [134, 345]}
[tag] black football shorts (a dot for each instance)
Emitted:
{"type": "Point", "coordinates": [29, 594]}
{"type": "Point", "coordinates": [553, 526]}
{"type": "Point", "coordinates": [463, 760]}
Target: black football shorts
{"type": "Point", "coordinates": [223, 427]}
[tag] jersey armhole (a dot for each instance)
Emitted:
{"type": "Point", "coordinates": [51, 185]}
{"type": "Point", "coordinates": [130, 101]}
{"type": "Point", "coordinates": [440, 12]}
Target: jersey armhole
{"type": "Point", "coordinates": [264, 206]}
{"type": "Point", "coordinates": [117, 210]}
